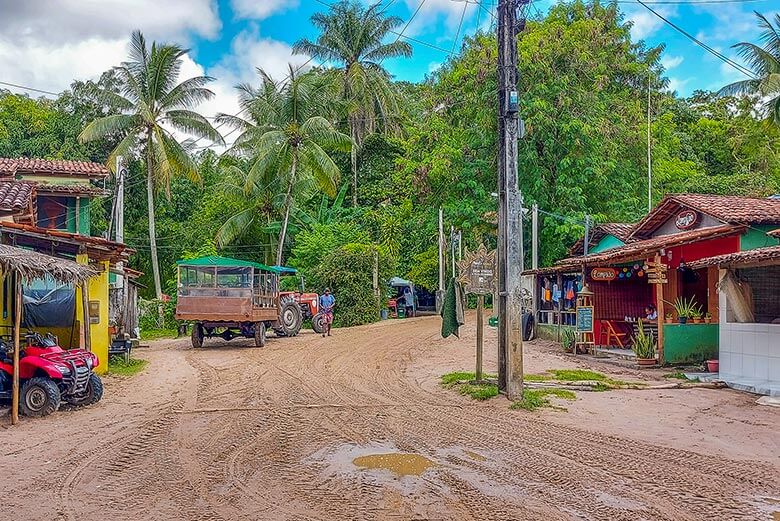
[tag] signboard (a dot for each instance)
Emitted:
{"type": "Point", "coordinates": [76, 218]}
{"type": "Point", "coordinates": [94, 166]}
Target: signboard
{"type": "Point", "coordinates": [686, 220]}
{"type": "Point", "coordinates": [477, 271]}
{"type": "Point", "coordinates": [585, 319]}
{"type": "Point", "coordinates": [603, 274]}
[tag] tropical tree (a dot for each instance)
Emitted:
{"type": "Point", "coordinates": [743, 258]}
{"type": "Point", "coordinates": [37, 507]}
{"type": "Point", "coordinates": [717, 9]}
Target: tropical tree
{"type": "Point", "coordinates": [152, 102]}
{"type": "Point", "coordinates": [286, 136]}
{"type": "Point", "coordinates": [355, 37]}
{"type": "Point", "coordinates": [765, 64]}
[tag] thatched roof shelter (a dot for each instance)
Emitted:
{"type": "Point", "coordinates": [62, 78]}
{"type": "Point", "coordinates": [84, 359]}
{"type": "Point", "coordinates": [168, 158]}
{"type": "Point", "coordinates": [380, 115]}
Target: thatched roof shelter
{"type": "Point", "coordinates": [33, 265]}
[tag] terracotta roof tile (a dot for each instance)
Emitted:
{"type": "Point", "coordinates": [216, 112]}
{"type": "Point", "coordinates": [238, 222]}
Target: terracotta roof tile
{"type": "Point", "coordinates": [23, 165]}
{"type": "Point", "coordinates": [642, 249]}
{"type": "Point", "coordinates": [767, 255]}
{"type": "Point", "coordinates": [15, 196]}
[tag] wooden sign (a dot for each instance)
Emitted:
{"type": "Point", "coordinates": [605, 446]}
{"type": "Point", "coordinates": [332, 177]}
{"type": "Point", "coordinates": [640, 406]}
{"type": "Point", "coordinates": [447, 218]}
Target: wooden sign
{"type": "Point", "coordinates": [477, 271]}
{"type": "Point", "coordinates": [603, 274]}
{"type": "Point", "coordinates": [686, 220]}
{"type": "Point", "coordinates": [585, 319]}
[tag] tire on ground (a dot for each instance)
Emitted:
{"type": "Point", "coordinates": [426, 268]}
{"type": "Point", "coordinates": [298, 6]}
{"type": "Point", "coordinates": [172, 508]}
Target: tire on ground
{"type": "Point", "coordinates": [260, 334]}
{"type": "Point", "coordinates": [39, 397]}
{"type": "Point", "coordinates": [93, 394]}
{"type": "Point", "coordinates": [197, 335]}
{"type": "Point", "coordinates": [318, 323]}
{"type": "Point", "coordinates": [290, 318]}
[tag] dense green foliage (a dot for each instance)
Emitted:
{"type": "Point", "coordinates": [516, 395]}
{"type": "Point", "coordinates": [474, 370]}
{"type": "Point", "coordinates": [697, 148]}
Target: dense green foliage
{"type": "Point", "coordinates": [584, 102]}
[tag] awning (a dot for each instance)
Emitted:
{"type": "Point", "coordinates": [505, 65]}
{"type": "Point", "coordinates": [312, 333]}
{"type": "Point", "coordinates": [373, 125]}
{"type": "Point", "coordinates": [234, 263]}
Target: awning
{"type": "Point", "coordinates": [767, 256]}
{"type": "Point", "coordinates": [31, 265]}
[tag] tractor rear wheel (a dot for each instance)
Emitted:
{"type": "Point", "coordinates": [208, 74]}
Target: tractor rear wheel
{"type": "Point", "coordinates": [260, 334]}
{"type": "Point", "coordinates": [197, 335]}
{"type": "Point", "coordinates": [40, 397]}
{"type": "Point", "coordinates": [290, 318]}
{"type": "Point", "coordinates": [318, 323]}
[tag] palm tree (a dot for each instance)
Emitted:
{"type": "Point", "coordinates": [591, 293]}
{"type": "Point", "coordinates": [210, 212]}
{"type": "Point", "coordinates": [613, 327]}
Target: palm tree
{"type": "Point", "coordinates": [257, 203]}
{"type": "Point", "coordinates": [286, 136]}
{"type": "Point", "coordinates": [765, 64]}
{"type": "Point", "coordinates": [354, 36]}
{"type": "Point", "coordinates": [152, 102]}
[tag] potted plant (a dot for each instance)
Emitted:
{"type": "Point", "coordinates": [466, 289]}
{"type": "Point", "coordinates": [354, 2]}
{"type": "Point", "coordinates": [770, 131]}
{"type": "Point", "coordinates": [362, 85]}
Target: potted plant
{"type": "Point", "coordinates": [568, 340]}
{"type": "Point", "coordinates": [644, 347]}
{"type": "Point", "coordinates": [684, 309]}
{"type": "Point", "coordinates": [669, 318]}
{"type": "Point", "coordinates": [708, 318]}
{"type": "Point", "coordinates": [696, 315]}
{"type": "Point", "coordinates": [713, 366]}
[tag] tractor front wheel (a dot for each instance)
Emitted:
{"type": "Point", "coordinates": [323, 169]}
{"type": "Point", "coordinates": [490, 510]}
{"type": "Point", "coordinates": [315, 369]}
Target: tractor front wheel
{"type": "Point", "coordinates": [197, 335]}
{"type": "Point", "coordinates": [40, 397]}
{"type": "Point", "coordinates": [260, 334]}
{"type": "Point", "coordinates": [318, 323]}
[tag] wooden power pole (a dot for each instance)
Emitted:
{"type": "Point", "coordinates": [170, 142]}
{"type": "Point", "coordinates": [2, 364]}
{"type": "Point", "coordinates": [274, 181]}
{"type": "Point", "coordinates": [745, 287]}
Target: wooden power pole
{"type": "Point", "coordinates": [510, 337]}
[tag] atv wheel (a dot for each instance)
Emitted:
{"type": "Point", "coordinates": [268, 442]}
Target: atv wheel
{"type": "Point", "coordinates": [93, 394]}
{"type": "Point", "coordinates": [40, 397]}
{"type": "Point", "coordinates": [318, 323]}
{"type": "Point", "coordinates": [197, 335]}
{"type": "Point", "coordinates": [290, 318]}
{"type": "Point", "coordinates": [260, 334]}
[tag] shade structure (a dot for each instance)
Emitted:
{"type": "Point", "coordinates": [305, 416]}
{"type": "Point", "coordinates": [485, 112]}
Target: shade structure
{"type": "Point", "coordinates": [31, 265]}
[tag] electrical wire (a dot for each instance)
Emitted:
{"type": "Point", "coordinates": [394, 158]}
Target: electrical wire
{"type": "Point", "coordinates": [460, 26]}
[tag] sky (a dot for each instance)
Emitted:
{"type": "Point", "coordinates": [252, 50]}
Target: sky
{"type": "Point", "coordinates": [45, 44]}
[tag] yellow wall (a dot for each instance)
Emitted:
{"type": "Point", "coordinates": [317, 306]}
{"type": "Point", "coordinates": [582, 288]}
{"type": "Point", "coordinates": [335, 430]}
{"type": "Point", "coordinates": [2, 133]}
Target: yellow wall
{"type": "Point", "coordinates": [99, 335]}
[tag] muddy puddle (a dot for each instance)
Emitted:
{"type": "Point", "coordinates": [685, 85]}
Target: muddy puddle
{"type": "Point", "coordinates": [399, 463]}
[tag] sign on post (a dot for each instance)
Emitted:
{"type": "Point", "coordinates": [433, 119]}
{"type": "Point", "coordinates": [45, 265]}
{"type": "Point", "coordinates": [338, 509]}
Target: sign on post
{"type": "Point", "coordinates": [585, 319]}
{"type": "Point", "coordinates": [477, 271]}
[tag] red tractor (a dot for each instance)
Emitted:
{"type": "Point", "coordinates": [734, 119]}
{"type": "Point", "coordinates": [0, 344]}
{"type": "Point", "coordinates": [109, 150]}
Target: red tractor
{"type": "Point", "coordinates": [308, 302]}
{"type": "Point", "coordinates": [48, 375]}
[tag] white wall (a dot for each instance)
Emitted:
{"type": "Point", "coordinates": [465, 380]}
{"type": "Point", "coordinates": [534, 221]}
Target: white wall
{"type": "Point", "coordinates": [748, 351]}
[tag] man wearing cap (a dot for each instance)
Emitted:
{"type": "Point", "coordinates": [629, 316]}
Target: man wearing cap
{"type": "Point", "coordinates": [327, 302]}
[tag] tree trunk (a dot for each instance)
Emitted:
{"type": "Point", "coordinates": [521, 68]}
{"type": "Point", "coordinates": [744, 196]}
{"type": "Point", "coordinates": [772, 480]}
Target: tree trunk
{"type": "Point", "coordinates": [150, 207]}
{"type": "Point", "coordinates": [287, 205]}
{"type": "Point", "coordinates": [353, 157]}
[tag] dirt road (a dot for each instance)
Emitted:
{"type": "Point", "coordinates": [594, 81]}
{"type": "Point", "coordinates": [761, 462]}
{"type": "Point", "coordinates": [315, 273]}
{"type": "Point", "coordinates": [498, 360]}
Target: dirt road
{"type": "Point", "coordinates": [239, 433]}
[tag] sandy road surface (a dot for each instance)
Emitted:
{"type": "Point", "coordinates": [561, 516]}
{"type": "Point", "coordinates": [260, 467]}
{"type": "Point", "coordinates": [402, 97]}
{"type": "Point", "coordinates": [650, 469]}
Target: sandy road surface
{"type": "Point", "coordinates": [243, 433]}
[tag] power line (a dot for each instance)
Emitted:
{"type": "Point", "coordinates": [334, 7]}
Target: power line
{"type": "Point", "coordinates": [32, 89]}
{"type": "Point", "coordinates": [747, 72]}
{"type": "Point", "coordinates": [460, 26]}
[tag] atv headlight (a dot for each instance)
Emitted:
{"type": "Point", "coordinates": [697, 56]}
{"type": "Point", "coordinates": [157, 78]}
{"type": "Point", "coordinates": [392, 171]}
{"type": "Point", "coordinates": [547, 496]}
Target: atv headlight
{"type": "Point", "coordinates": [62, 368]}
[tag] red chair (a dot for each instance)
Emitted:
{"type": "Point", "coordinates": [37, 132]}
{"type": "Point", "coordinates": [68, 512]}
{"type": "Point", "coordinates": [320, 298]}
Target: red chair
{"type": "Point", "coordinates": [611, 333]}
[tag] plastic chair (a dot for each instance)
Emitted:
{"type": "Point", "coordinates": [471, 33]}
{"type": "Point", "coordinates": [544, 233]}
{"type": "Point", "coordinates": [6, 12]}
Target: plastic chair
{"type": "Point", "coordinates": [608, 330]}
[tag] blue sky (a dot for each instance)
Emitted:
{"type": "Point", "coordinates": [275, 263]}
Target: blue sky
{"type": "Point", "coordinates": [46, 44]}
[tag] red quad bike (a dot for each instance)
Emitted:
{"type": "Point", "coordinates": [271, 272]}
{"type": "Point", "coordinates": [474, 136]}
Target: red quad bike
{"type": "Point", "coordinates": [48, 375]}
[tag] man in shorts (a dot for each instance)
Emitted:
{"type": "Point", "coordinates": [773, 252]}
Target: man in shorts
{"type": "Point", "coordinates": [327, 302]}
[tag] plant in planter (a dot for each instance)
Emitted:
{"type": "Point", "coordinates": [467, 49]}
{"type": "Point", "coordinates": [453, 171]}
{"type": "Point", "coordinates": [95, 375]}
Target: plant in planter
{"type": "Point", "coordinates": [696, 315]}
{"type": "Point", "coordinates": [644, 347]}
{"type": "Point", "coordinates": [685, 308]}
{"type": "Point", "coordinates": [669, 318]}
{"type": "Point", "coordinates": [568, 340]}
{"type": "Point", "coordinates": [708, 317]}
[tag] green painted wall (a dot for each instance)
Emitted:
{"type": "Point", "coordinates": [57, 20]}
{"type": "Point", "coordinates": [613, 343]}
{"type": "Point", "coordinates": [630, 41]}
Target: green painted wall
{"type": "Point", "coordinates": [756, 237]}
{"type": "Point", "coordinates": [606, 242]}
{"type": "Point", "coordinates": [84, 216]}
{"type": "Point", "coordinates": [690, 343]}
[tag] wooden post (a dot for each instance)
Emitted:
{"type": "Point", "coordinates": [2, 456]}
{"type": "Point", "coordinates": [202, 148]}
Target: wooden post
{"type": "Point", "coordinates": [480, 334]}
{"type": "Point", "coordinates": [375, 280]}
{"type": "Point", "coordinates": [17, 348]}
{"type": "Point", "coordinates": [85, 316]}
{"type": "Point", "coordinates": [659, 297]}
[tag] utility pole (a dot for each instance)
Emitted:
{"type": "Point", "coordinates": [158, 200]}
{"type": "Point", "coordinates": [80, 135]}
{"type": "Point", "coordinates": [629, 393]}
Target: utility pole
{"type": "Point", "coordinates": [119, 219]}
{"type": "Point", "coordinates": [510, 338]}
{"type": "Point", "coordinates": [535, 259]}
{"type": "Point", "coordinates": [440, 292]}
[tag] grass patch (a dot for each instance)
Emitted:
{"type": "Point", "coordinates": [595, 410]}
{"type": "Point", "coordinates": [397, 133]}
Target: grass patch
{"type": "Point", "coordinates": [479, 391]}
{"type": "Point", "coordinates": [679, 375]}
{"type": "Point", "coordinates": [603, 381]}
{"type": "Point", "coordinates": [117, 365]}
{"type": "Point", "coordinates": [534, 399]}
{"type": "Point", "coordinates": [464, 382]}
{"type": "Point", "coordinates": [156, 334]}
{"type": "Point", "coordinates": [536, 377]}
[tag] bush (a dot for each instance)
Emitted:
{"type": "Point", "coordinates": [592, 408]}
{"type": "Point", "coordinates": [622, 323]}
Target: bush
{"type": "Point", "coordinates": [348, 272]}
{"type": "Point", "coordinates": [149, 318]}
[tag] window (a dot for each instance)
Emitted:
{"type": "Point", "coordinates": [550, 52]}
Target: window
{"type": "Point", "coordinates": [764, 284]}
{"type": "Point", "coordinates": [53, 212]}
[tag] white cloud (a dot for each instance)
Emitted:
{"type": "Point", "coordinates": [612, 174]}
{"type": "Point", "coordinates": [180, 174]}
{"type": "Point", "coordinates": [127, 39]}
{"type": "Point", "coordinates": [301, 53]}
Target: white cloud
{"type": "Point", "coordinates": [433, 11]}
{"type": "Point", "coordinates": [678, 85]}
{"type": "Point", "coordinates": [259, 9]}
{"type": "Point", "coordinates": [645, 23]}
{"type": "Point", "coordinates": [670, 62]}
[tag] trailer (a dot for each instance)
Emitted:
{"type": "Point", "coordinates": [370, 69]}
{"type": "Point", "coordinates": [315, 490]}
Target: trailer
{"type": "Point", "coordinates": [229, 298]}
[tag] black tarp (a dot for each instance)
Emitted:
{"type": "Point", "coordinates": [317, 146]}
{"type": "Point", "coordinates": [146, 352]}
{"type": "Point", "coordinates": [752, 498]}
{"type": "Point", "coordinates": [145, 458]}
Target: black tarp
{"type": "Point", "coordinates": [49, 307]}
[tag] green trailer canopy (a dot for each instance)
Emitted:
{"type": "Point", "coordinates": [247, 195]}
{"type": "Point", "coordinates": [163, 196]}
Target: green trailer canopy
{"type": "Point", "coordinates": [227, 262]}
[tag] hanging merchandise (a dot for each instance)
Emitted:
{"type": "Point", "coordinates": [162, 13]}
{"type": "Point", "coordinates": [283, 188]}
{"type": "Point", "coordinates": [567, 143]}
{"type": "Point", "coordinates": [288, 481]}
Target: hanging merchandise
{"type": "Point", "coordinates": [556, 293]}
